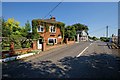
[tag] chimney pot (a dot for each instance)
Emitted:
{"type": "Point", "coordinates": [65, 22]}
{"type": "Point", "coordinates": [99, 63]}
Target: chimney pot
{"type": "Point", "coordinates": [53, 18]}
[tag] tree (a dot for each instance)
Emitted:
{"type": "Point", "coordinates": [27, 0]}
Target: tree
{"type": "Point", "coordinates": [70, 32]}
{"type": "Point", "coordinates": [14, 33]}
{"type": "Point", "coordinates": [62, 29]}
{"type": "Point", "coordinates": [25, 33]}
{"type": "Point", "coordinates": [10, 27]}
{"type": "Point", "coordinates": [89, 37]}
{"type": "Point", "coordinates": [27, 26]}
{"type": "Point", "coordinates": [0, 26]}
{"type": "Point", "coordinates": [0, 31]}
{"type": "Point", "coordinates": [94, 38]}
{"type": "Point", "coordinates": [26, 30]}
{"type": "Point", "coordinates": [10, 30]}
{"type": "Point", "coordinates": [105, 39]}
{"type": "Point", "coordinates": [35, 34]}
{"type": "Point", "coordinates": [80, 27]}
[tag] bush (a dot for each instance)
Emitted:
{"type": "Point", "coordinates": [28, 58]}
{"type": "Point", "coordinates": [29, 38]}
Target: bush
{"type": "Point", "coordinates": [34, 51]}
{"type": "Point", "coordinates": [105, 39]}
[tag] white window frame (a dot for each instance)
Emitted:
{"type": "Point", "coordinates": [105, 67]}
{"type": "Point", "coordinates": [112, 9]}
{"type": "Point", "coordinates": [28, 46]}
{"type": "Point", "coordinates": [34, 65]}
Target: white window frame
{"type": "Point", "coordinates": [40, 29]}
{"type": "Point", "coordinates": [59, 36]}
{"type": "Point", "coordinates": [52, 29]}
{"type": "Point", "coordinates": [53, 39]}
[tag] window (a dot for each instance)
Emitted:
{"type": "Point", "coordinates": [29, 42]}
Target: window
{"type": "Point", "coordinates": [40, 41]}
{"type": "Point", "coordinates": [59, 36]}
{"type": "Point", "coordinates": [55, 41]}
{"type": "Point", "coordinates": [52, 40]}
{"type": "Point", "coordinates": [40, 28]}
{"type": "Point", "coordinates": [52, 29]}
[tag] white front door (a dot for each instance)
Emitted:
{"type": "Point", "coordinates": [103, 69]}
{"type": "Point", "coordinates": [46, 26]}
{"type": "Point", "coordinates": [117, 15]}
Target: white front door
{"type": "Point", "coordinates": [40, 44]}
{"type": "Point", "coordinates": [78, 38]}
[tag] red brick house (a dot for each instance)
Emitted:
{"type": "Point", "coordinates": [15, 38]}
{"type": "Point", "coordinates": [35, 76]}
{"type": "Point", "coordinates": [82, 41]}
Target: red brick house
{"type": "Point", "coordinates": [49, 31]}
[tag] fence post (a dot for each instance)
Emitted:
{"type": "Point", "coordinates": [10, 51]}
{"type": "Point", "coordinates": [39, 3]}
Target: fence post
{"type": "Point", "coordinates": [34, 45]}
{"type": "Point", "coordinates": [44, 46]}
{"type": "Point", "coordinates": [12, 48]}
{"type": "Point", "coordinates": [66, 40]}
{"type": "Point", "coordinates": [74, 39]}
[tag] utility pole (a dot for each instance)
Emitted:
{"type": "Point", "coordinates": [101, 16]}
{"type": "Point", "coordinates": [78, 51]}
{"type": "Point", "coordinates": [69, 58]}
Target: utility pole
{"type": "Point", "coordinates": [107, 31]}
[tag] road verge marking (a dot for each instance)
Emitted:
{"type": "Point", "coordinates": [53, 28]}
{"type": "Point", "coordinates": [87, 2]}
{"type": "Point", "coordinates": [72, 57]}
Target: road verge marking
{"type": "Point", "coordinates": [17, 57]}
{"type": "Point", "coordinates": [84, 50]}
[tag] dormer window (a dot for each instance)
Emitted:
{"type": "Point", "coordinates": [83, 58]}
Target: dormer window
{"type": "Point", "coordinates": [40, 28]}
{"type": "Point", "coordinates": [52, 29]}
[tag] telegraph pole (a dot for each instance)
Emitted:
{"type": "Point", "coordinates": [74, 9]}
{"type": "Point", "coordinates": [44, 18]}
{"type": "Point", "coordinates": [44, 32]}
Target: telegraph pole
{"type": "Point", "coordinates": [107, 31]}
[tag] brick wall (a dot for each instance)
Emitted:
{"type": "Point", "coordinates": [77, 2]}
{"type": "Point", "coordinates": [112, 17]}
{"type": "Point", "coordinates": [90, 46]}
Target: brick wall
{"type": "Point", "coordinates": [71, 42]}
{"type": "Point", "coordinates": [34, 45]}
{"type": "Point", "coordinates": [23, 50]}
{"type": "Point", "coordinates": [48, 34]}
{"type": "Point", "coordinates": [13, 51]}
{"type": "Point", "coordinates": [55, 46]}
{"type": "Point", "coordinates": [58, 45]}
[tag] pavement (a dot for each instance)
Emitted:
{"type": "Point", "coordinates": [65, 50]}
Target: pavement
{"type": "Point", "coordinates": [80, 60]}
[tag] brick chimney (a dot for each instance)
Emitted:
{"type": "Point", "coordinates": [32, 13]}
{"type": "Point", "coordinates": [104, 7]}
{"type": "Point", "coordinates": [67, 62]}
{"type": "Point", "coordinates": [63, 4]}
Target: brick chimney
{"type": "Point", "coordinates": [53, 18]}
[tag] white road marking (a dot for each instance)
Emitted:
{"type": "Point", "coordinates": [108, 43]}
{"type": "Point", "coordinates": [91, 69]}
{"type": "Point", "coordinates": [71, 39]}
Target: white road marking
{"type": "Point", "coordinates": [90, 44]}
{"type": "Point", "coordinates": [84, 50]}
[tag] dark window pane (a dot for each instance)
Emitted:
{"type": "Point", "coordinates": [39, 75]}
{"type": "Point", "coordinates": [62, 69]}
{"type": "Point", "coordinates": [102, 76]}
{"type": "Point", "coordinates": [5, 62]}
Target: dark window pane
{"type": "Point", "coordinates": [38, 28]}
{"type": "Point", "coordinates": [40, 41]}
{"type": "Point", "coordinates": [55, 40]}
{"type": "Point", "coordinates": [51, 29]}
{"type": "Point", "coordinates": [42, 28]}
{"type": "Point", "coordinates": [50, 40]}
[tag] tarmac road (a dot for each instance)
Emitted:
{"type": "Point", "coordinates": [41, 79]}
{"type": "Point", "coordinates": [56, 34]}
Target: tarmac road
{"type": "Point", "coordinates": [80, 60]}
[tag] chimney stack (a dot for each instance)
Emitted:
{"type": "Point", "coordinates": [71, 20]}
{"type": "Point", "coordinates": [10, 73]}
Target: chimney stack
{"type": "Point", "coordinates": [53, 18]}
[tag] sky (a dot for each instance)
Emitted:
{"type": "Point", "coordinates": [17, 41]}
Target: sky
{"type": "Point", "coordinates": [60, 0]}
{"type": "Point", "coordinates": [96, 15]}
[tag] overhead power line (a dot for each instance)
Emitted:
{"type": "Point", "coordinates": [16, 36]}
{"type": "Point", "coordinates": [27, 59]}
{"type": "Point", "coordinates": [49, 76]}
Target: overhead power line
{"type": "Point", "coordinates": [103, 28]}
{"type": "Point", "coordinates": [97, 30]}
{"type": "Point", "coordinates": [53, 9]}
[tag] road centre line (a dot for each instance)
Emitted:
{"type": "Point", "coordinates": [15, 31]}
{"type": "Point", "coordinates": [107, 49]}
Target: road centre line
{"type": "Point", "coordinates": [83, 50]}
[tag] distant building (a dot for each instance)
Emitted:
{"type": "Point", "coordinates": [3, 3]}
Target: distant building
{"type": "Point", "coordinates": [82, 36]}
{"type": "Point", "coordinates": [114, 39]}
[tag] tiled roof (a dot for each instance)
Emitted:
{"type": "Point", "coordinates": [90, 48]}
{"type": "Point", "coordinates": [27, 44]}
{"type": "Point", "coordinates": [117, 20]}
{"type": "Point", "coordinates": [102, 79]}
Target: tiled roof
{"type": "Point", "coordinates": [52, 21]}
{"type": "Point", "coordinates": [49, 20]}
